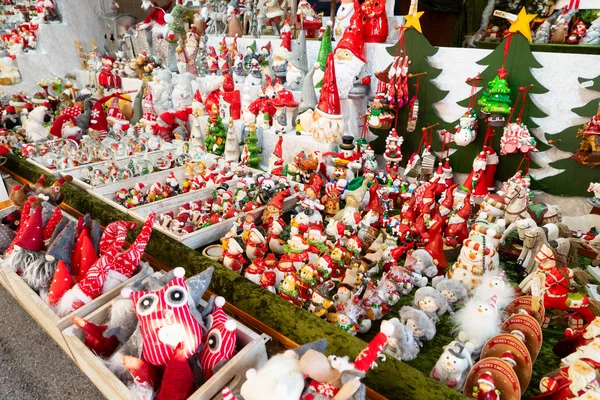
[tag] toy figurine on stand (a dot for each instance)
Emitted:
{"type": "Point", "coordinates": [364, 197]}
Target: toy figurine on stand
{"type": "Point", "coordinates": [310, 22]}
{"type": "Point", "coordinates": [393, 152]}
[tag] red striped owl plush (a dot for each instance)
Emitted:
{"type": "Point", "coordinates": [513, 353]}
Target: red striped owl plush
{"type": "Point", "coordinates": [219, 343]}
{"type": "Point", "coordinates": [166, 321]}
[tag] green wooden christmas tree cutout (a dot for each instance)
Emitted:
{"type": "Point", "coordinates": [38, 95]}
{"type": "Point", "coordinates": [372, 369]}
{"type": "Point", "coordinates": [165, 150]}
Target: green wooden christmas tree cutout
{"type": "Point", "coordinates": [575, 177]}
{"type": "Point", "coordinates": [419, 50]}
{"type": "Point", "coordinates": [519, 62]}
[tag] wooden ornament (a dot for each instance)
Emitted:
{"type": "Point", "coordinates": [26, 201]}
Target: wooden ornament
{"type": "Point", "coordinates": [505, 378]}
{"type": "Point", "coordinates": [505, 342]}
{"type": "Point", "coordinates": [530, 328]}
{"type": "Point", "coordinates": [525, 303]}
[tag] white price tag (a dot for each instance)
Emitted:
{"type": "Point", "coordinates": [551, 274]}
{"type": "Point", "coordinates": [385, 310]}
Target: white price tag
{"type": "Point", "coordinates": [3, 192]}
{"type": "Point", "coordinates": [535, 292]}
{"type": "Point", "coordinates": [505, 15]}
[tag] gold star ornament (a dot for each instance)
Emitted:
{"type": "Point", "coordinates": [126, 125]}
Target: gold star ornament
{"type": "Point", "coordinates": [412, 20]}
{"type": "Point", "coordinates": [522, 24]}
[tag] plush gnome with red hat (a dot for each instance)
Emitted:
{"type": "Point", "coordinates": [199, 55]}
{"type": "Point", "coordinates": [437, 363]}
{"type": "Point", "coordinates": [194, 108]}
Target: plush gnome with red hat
{"type": "Point", "coordinates": [111, 269]}
{"type": "Point", "coordinates": [164, 126]}
{"type": "Point", "coordinates": [65, 126]}
{"type": "Point", "coordinates": [274, 208]}
{"type": "Point", "coordinates": [99, 121]}
{"type": "Point", "coordinates": [28, 246]}
{"type": "Point", "coordinates": [350, 57]}
{"type": "Point", "coordinates": [327, 125]}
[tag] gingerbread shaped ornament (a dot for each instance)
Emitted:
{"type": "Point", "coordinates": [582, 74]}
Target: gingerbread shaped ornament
{"type": "Point", "coordinates": [513, 351]}
{"type": "Point", "coordinates": [528, 330]}
{"type": "Point", "coordinates": [492, 379]}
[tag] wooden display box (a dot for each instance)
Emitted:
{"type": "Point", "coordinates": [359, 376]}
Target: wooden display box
{"type": "Point", "coordinates": [76, 173]}
{"type": "Point", "coordinates": [106, 192]}
{"type": "Point", "coordinates": [203, 236]}
{"type": "Point", "coordinates": [43, 314]}
{"type": "Point", "coordinates": [3, 213]}
{"type": "Point", "coordinates": [251, 353]}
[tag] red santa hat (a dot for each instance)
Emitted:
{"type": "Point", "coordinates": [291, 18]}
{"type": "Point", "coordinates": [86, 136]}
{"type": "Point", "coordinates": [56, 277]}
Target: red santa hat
{"type": "Point", "coordinates": [487, 378]}
{"type": "Point", "coordinates": [228, 83]}
{"type": "Point", "coordinates": [157, 15]}
{"type": "Point", "coordinates": [352, 39]}
{"type": "Point", "coordinates": [33, 234]}
{"type": "Point", "coordinates": [61, 283]}
{"type": "Point", "coordinates": [212, 52]}
{"type": "Point", "coordinates": [198, 96]}
{"type": "Point", "coordinates": [447, 168]}
{"type": "Point", "coordinates": [329, 101]}
{"type": "Point", "coordinates": [374, 200]}
{"type": "Point", "coordinates": [365, 360]}
{"type": "Point", "coordinates": [267, 47]}
{"type": "Point", "coordinates": [52, 223]}
{"type": "Point", "coordinates": [277, 200]}
{"type": "Point", "coordinates": [87, 259]}
{"type": "Point", "coordinates": [286, 37]}
{"type": "Point", "coordinates": [509, 358]}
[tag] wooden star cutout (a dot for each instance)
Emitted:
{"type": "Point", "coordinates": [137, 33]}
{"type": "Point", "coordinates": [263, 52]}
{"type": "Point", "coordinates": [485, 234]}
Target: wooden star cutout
{"type": "Point", "coordinates": [412, 21]}
{"type": "Point", "coordinates": [522, 24]}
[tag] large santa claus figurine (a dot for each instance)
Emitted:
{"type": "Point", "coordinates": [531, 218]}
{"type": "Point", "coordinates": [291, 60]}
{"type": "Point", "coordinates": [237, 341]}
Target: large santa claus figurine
{"type": "Point", "coordinates": [571, 381]}
{"type": "Point", "coordinates": [327, 123]}
{"type": "Point", "coordinates": [342, 18]}
{"type": "Point", "coordinates": [350, 55]}
{"type": "Point", "coordinates": [476, 182]}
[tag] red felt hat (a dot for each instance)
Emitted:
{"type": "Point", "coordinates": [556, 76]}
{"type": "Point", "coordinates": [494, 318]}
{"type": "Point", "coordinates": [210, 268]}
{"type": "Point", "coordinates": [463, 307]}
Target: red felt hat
{"type": "Point", "coordinates": [178, 379]}
{"type": "Point", "coordinates": [277, 200]}
{"type": "Point", "coordinates": [88, 258]}
{"type": "Point", "coordinates": [228, 84]}
{"type": "Point", "coordinates": [94, 337]}
{"type": "Point", "coordinates": [143, 372]}
{"type": "Point", "coordinates": [52, 223]}
{"type": "Point", "coordinates": [33, 235]}
{"type": "Point", "coordinates": [166, 118]}
{"type": "Point", "coordinates": [77, 251]}
{"type": "Point", "coordinates": [61, 283]}
{"type": "Point", "coordinates": [352, 39]}
{"type": "Point", "coordinates": [329, 102]}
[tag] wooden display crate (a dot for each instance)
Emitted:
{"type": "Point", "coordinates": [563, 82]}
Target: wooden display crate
{"type": "Point", "coordinates": [43, 313]}
{"type": "Point", "coordinates": [203, 236]}
{"type": "Point", "coordinates": [3, 213]}
{"type": "Point", "coordinates": [251, 353]}
{"type": "Point", "coordinates": [76, 173]}
{"type": "Point", "coordinates": [106, 192]}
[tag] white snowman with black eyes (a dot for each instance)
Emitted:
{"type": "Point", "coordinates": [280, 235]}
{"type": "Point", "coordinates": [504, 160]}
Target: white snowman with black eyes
{"type": "Point", "coordinates": [453, 365]}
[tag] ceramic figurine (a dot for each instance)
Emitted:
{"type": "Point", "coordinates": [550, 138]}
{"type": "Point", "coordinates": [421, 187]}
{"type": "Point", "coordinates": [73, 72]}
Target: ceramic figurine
{"type": "Point", "coordinates": [342, 18]}
{"type": "Point", "coordinates": [288, 289]}
{"type": "Point", "coordinates": [256, 244]}
{"type": "Point", "coordinates": [233, 257]}
{"type": "Point", "coordinates": [453, 365]}
{"type": "Point", "coordinates": [569, 382]}
{"type": "Point", "coordinates": [375, 23]}
{"type": "Point", "coordinates": [431, 302]}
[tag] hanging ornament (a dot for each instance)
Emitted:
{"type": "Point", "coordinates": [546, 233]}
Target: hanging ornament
{"type": "Point", "coordinates": [516, 136]}
{"type": "Point", "coordinates": [413, 104]}
{"type": "Point", "coordinates": [466, 130]}
{"type": "Point", "coordinates": [381, 113]}
{"type": "Point", "coordinates": [393, 152]}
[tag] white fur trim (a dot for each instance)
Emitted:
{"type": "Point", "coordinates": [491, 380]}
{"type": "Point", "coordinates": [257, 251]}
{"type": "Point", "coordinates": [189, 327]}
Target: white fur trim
{"type": "Point", "coordinates": [126, 292]}
{"type": "Point", "coordinates": [219, 302]}
{"type": "Point", "coordinates": [387, 328]}
{"type": "Point", "coordinates": [230, 325]}
{"type": "Point", "coordinates": [73, 295]}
